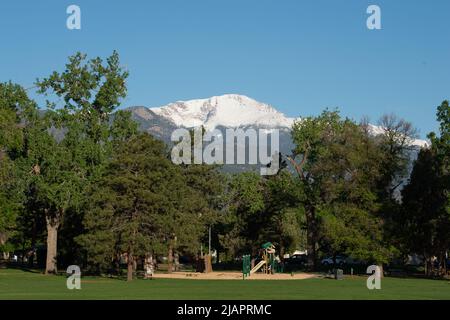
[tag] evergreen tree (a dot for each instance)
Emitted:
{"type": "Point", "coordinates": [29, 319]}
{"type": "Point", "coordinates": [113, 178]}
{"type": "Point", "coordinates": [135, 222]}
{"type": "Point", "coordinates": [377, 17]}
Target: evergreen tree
{"type": "Point", "coordinates": [245, 218]}
{"type": "Point", "coordinates": [125, 207]}
{"type": "Point", "coordinates": [425, 215]}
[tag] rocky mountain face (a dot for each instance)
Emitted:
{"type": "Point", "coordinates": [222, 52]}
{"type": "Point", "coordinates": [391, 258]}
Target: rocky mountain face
{"type": "Point", "coordinates": [229, 110]}
{"type": "Point", "coordinates": [222, 112]}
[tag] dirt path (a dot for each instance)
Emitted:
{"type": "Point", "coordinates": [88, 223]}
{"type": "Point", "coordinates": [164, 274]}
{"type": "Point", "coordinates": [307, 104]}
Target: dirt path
{"type": "Point", "coordinates": [233, 276]}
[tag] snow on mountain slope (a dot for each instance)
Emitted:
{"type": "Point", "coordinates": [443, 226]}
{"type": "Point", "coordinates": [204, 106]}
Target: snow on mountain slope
{"type": "Point", "coordinates": [230, 110]}
{"type": "Point", "coordinates": [233, 110]}
{"type": "Point", "coordinates": [376, 130]}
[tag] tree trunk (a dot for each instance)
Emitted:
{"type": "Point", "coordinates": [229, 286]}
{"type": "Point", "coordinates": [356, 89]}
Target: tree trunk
{"type": "Point", "coordinates": [177, 261]}
{"type": "Point", "coordinates": [381, 270]}
{"type": "Point", "coordinates": [33, 252]}
{"type": "Point", "coordinates": [130, 266]}
{"type": "Point", "coordinates": [425, 265]}
{"type": "Point", "coordinates": [428, 266]}
{"type": "Point", "coordinates": [170, 258]}
{"type": "Point", "coordinates": [148, 265]}
{"type": "Point", "coordinates": [311, 237]}
{"type": "Point", "coordinates": [22, 259]}
{"type": "Point", "coordinates": [52, 242]}
{"type": "Point", "coordinates": [444, 264]}
{"type": "Point", "coordinates": [117, 264]}
{"type": "Point", "coordinates": [252, 263]}
{"type": "Point", "coordinates": [3, 239]}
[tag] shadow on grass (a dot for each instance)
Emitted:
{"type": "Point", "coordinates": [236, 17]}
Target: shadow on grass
{"type": "Point", "coordinates": [24, 268]}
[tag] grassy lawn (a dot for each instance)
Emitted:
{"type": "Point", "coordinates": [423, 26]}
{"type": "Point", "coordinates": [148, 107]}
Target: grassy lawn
{"type": "Point", "coordinates": [17, 284]}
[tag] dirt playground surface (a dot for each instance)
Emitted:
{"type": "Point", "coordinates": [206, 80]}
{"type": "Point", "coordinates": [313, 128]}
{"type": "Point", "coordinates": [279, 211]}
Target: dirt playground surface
{"type": "Point", "coordinates": [233, 276]}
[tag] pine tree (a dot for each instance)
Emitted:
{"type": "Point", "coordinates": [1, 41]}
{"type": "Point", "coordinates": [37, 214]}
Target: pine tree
{"type": "Point", "coordinates": [126, 206]}
{"type": "Point", "coordinates": [425, 215]}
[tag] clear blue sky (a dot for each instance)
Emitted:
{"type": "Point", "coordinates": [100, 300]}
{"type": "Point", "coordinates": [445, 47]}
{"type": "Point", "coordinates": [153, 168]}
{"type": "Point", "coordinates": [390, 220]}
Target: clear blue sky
{"type": "Point", "coordinates": [299, 56]}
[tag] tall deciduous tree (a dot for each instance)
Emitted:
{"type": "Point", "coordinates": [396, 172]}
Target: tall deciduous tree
{"type": "Point", "coordinates": [286, 228]}
{"type": "Point", "coordinates": [337, 171]}
{"type": "Point", "coordinates": [396, 144]}
{"type": "Point", "coordinates": [89, 91]}
{"type": "Point", "coordinates": [16, 109]}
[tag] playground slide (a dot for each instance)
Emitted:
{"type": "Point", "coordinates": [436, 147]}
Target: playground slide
{"type": "Point", "coordinates": [257, 267]}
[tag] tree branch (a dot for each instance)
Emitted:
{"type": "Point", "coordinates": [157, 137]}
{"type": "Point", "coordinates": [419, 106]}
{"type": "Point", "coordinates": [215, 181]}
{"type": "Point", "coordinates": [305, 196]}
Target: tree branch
{"type": "Point", "coordinates": [299, 166]}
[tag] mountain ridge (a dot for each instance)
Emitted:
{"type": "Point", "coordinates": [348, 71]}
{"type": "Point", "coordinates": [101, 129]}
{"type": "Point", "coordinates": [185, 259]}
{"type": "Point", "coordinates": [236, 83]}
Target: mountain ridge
{"type": "Point", "coordinates": [227, 111]}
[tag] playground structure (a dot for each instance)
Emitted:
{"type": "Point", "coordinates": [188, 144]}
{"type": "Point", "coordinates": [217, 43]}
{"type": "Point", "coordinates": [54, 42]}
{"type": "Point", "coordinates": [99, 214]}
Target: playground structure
{"type": "Point", "coordinates": [270, 269]}
{"type": "Point", "coordinates": [268, 264]}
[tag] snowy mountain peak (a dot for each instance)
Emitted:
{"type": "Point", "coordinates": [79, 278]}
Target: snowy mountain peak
{"type": "Point", "coordinates": [229, 110]}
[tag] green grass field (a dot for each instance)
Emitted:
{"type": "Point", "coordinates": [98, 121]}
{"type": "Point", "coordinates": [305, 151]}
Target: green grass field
{"type": "Point", "coordinates": [17, 284]}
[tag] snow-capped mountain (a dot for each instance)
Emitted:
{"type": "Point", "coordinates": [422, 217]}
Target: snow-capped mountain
{"type": "Point", "coordinates": [230, 110]}
{"type": "Point", "coordinates": [226, 111]}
